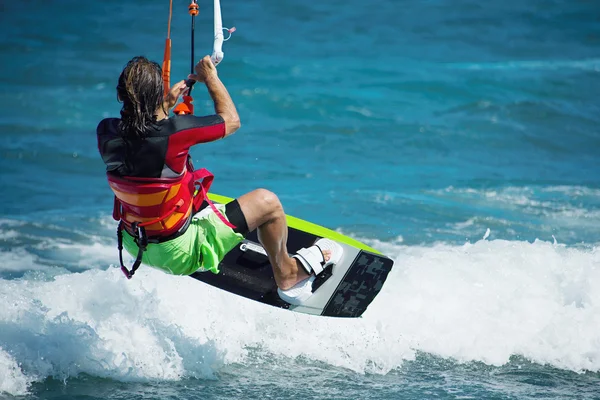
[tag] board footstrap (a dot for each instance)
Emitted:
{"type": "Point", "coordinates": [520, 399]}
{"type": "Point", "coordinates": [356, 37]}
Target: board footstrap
{"type": "Point", "coordinates": [311, 259]}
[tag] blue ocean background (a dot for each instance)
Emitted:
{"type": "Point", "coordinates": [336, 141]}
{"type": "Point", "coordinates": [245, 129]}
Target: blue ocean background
{"type": "Point", "coordinates": [458, 137]}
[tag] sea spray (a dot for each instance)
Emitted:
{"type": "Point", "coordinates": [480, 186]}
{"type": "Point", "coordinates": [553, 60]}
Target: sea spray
{"type": "Point", "coordinates": [485, 301]}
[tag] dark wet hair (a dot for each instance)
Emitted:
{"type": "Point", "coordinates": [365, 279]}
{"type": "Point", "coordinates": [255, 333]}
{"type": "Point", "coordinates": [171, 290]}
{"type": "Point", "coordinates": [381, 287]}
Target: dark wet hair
{"type": "Point", "coordinates": [141, 90]}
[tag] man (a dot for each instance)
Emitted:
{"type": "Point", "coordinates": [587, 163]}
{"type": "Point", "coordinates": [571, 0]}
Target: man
{"type": "Point", "coordinates": [158, 194]}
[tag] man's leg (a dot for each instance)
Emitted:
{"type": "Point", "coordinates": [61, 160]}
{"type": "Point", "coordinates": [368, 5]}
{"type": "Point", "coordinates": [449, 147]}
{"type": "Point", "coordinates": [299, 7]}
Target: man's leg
{"type": "Point", "coordinates": [264, 212]}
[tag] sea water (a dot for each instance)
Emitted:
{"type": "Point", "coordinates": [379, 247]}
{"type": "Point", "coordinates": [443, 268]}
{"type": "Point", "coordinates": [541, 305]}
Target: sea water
{"type": "Point", "coordinates": [458, 137]}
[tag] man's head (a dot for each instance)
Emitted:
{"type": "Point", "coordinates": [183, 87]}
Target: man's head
{"type": "Point", "coordinates": [141, 90]}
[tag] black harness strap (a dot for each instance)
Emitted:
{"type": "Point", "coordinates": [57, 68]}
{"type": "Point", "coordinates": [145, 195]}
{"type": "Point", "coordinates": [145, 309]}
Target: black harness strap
{"type": "Point", "coordinates": [140, 239]}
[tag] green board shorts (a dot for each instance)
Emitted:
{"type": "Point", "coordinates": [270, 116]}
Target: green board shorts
{"type": "Point", "coordinates": [204, 244]}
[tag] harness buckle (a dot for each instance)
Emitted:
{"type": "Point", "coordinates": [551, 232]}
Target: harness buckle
{"type": "Point", "coordinates": [141, 239]}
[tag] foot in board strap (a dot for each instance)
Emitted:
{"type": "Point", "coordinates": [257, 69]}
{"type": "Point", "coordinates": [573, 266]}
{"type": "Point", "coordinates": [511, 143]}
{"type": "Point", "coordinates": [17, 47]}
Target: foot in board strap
{"type": "Point", "coordinates": [315, 259]}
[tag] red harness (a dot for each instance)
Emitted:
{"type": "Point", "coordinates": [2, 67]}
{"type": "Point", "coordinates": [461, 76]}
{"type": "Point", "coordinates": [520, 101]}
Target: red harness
{"type": "Point", "coordinates": [154, 210]}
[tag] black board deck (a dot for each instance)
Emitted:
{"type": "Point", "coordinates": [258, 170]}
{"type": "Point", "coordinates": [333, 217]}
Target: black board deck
{"type": "Point", "coordinates": [249, 274]}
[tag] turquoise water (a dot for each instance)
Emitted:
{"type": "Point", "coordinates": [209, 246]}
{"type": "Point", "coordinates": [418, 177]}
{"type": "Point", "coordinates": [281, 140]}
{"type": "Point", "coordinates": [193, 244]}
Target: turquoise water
{"type": "Point", "coordinates": [458, 137]}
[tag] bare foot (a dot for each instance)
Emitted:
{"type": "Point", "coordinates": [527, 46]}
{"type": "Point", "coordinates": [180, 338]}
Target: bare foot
{"type": "Point", "coordinates": [326, 256]}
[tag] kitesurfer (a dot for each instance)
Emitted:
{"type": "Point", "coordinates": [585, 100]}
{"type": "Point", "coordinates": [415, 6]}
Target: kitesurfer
{"type": "Point", "coordinates": [160, 200]}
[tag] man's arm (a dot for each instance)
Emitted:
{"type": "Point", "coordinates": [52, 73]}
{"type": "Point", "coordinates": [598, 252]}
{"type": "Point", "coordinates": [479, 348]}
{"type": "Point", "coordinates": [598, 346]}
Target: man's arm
{"type": "Point", "coordinates": [223, 104]}
{"type": "Point", "coordinates": [224, 107]}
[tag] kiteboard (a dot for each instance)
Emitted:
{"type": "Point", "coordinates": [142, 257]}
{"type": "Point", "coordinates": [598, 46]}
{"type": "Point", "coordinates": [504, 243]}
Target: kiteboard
{"type": "Point", "coordinates": [343, 290]}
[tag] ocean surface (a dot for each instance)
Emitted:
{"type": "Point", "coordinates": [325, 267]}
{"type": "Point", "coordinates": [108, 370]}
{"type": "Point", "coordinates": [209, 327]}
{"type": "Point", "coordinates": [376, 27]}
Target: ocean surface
{"type": "Point", "coordinates": [459, 137]}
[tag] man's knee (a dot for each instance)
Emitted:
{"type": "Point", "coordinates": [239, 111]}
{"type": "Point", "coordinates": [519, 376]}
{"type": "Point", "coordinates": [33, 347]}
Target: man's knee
{"type": "Point", "coordinates": [268, 200]}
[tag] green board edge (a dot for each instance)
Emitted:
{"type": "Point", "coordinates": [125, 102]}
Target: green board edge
{"type": "Point", "coordinates": [309, 227]}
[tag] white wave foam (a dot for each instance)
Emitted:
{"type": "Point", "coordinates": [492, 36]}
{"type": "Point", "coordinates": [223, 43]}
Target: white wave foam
{"type": "Point", "coordinates": [592, 64]}
{"type": "Point", "coordinates": [99, 323]}
{"type": "Point", "coordinates": [478, 302]}
{"type": "Point", "coordinates": [566, 206]}
{"type": "Point", "coordinates": [10, 234]}
{"type": "Point", "coordinates": [18, 260]}
{"type": "Point", "coordinates": [7, 230]}
{"type": "Point", "coordinates": [493, 299]}
{"type": "Point", "coordinates": [573, 191]}
{"type": "Point", "coordinates": [94, 255]}
{"type": "Point", "coordinates": [100, 253]}
{"type": "Point", "coordinates": [13, 223]}
{"type": "Point", "coordinates": [12, 379]}
{"type": "Point", "coordinates": [530, 197]}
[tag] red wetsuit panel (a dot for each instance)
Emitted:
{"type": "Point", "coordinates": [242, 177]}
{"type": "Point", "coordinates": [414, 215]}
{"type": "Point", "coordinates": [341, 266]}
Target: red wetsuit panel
{"type": "Point", "coordinates": [181, 141]}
